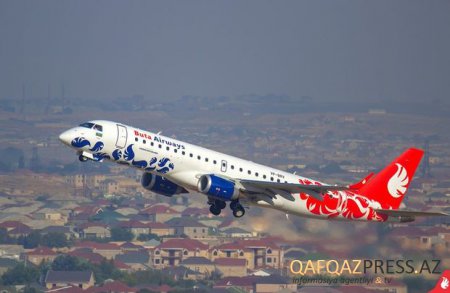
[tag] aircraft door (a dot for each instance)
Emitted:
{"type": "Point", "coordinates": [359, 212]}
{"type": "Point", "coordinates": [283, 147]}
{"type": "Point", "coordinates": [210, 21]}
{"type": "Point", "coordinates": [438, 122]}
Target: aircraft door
{"type": "Point", "coordinates": [223, 166]}
{"type": "Point", "coordinates": [121, 136]}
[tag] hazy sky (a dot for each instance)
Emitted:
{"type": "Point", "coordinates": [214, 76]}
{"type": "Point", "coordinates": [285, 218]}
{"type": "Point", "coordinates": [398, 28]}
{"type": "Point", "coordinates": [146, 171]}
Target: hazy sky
{"type": "Point", "coordinates": [324, 49]}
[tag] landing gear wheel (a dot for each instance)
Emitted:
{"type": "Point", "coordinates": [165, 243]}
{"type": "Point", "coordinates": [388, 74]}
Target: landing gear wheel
{"type": "Point", "coordinates": [215, 210]}
{"type": "Point", "coordinates": [82, 158]}
{"type": "Point", "coordinates": [238, 211]}
{"type": "Point", "coordinates": [234, 204]}
{"type": "Point", "coordinates": [220, 204]}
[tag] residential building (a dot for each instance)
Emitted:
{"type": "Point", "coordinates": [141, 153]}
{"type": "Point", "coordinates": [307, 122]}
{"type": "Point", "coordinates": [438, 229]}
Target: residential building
{"type": "Point", "coordinates": [188, 227]}
{"type": "Point", "coordinates": [159, 213]}
{"type": "Point", "coordinates": [41, 254]}
{"type": "Point", "coordinates": [173, 251]}
{"type": "Point", "coordinates": [199, 264]}
{"type": "Point", "coordinates": [94, 230]}
{"type": "Point", "coordinates": [58, 279]}
{"type": "Point", "coordinates": [107, 250]}
{"type": "Point", "coordinates": [231, 267]}
{"type": "Point", "coordinates": [136, 261]}
{"type": "Point", "coordinates": [258, 253]}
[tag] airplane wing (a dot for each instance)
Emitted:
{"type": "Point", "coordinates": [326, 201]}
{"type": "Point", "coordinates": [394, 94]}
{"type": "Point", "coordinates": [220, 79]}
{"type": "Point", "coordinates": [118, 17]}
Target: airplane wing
{"type": "Point", "coordinates": [286, 189]}
{"type": "Point", "coordinates": [406, 213]}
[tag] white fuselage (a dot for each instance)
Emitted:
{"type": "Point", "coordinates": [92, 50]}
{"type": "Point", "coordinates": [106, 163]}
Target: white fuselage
{"type": "Point", "coordinates": [187, 162]}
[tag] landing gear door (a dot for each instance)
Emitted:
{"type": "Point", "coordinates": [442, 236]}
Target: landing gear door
{"type": "Point", "coordinates": [121, 136]}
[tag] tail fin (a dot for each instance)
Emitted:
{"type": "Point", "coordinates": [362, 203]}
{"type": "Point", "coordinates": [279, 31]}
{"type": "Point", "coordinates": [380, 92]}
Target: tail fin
{"type": "Point", "coordinates": [390, 185]}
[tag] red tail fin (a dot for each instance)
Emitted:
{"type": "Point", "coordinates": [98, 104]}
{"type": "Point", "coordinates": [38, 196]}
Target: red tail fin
{"type": "Point", "coordinates": [390, 185]}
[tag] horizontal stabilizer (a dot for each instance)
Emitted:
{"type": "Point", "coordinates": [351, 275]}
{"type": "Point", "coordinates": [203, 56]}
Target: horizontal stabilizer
{"type": "Point", "coordinates": [403, 213]}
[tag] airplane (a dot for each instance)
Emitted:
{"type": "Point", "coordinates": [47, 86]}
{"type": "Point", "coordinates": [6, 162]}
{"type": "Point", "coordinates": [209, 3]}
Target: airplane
{"type": "Point", "coordinates": [173, 167]}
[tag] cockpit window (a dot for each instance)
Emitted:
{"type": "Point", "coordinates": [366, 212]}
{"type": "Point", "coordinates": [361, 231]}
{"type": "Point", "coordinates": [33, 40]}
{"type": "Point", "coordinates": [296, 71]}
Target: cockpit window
{"type": "Point", "coordinates": [87, 125]}
{"type": "Point", "coordinates": [98, 127]}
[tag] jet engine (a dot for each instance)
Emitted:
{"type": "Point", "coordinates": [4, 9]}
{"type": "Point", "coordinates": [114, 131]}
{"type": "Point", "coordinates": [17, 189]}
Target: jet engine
{"type": "Point", "coordinates": [160, 185]}
{"type": "Point", "coordinates": [218, 187]}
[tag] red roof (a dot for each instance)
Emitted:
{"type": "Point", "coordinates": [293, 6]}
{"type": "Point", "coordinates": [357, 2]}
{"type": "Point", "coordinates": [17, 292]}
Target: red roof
{"type": "Point", "coordinates": [139, 224]}
{"type": "Point", "coordinates": [189, 244]}
{"type": "Point", "coordinates": [44, 251]}
{"type": "Point", "coordinates": [230, 246]}
{"type": "Point", "coordinates": [97, 245]}
{"type": "Point", "coordinates": [246, 281]}
{"type": "Point", "coordinates": [157, 225]}
{"type": "Point", "coordinates": [71, 289]}
{"type": "Point", "coordinates": [132, 224]}
{"type": "Point", "coordinates": [159, 209]}
{"type": "Point", "coordinates": [131, 245]}
{"type": "Point", "coordinates": [195, 211]}
{"type": "Point", "coordinates": [90, 256]}
{"type": "Point", "coordinates": [116, 287]}
{"type": "Point", "coordinates": [121, 265]}
{"type": "Point", "coordinates": [163, 288]}
{"type": "Point", "coordinates": [90, 224]}
{"type": "Point", "coordinates": [13, 225]}
{"type": "Point", "coordinates": [231, 262]}
{"type": "Point", "coordinates": [20, 231]}
{"type": "Point", "coordinates": [243, 244]}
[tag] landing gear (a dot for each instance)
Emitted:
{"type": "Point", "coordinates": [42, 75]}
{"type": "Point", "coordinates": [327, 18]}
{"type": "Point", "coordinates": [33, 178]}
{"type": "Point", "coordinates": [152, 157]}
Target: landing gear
{"type": "Point", "coordinates": [237, 208]}
{"type": "Point", "coordinates": [213, 209]}
{"type": "Point", "coordinates": [217, 206]}
{"type": "Point", "coordinates": [82, 158]}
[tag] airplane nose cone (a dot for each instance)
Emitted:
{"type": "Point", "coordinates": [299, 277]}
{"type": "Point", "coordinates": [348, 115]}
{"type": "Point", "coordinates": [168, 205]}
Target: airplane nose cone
{"type": "Point", "coordinates": [65, 137]}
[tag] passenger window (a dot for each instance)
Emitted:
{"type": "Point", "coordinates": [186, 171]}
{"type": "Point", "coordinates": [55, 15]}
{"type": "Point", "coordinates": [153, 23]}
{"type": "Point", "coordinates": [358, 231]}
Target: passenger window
{"type": "Point", "coordinates": [232, 167]}
{"type": "Point", "coordinates": [160, 146]}
{"type": "Point", "coordinates": [240, 170]}
{"type": "Point", "coordinates": [167, 148]}
{"type": "Point", "coordinates": [191, 155]}
{"type": "Point", "coordinates": [271, 178]}
{"type": "Point", "coordinates": [175, 150]}
{"type": "Point", "coordinates": [249, 172]}
{"type": "Point", "coordinates": [183, 153]}
{"type": "Point", "coordinates": [214, 162]}
{"type": "Point", "coordinates": [136, 139]}
{"type": "Point", "coordinates": [144, 141]}
{"type": "Point", "coordinates": [278, 180]}
{"type": "Point", "coordinates": [198, 157]}
{"type": "Point", "coordinates": [256, 174]}
{"type": "Point", "coordinates": [264, 176]}
{"type": "Point", "coordinates": [151, 143]}
{"type": "Point", "coordinates": [206, 160]}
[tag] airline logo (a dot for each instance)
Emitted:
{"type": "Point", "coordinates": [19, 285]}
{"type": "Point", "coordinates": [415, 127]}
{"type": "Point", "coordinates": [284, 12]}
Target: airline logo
{"type": "Point", "coordinates": [443, 284]}
{"type": "Point", "coordinates": [142, 134]}
{"type": "Point", "coordinates": [160, 140]}
{"type": "Point", "coordinates": [398, 182]}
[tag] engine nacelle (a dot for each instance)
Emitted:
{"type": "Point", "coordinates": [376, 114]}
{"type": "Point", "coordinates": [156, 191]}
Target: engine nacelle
{"type": "Point", "coordinates": [160, 185]}
{"type": "Point", "coordinates": [218, 187]}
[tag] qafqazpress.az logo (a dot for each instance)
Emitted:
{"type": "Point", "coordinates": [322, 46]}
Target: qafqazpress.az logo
{"type": "Point", "coordinates": [302, 269]}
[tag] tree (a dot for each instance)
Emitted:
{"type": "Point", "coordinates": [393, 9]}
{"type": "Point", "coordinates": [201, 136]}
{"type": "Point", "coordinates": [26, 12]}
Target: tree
{"type": "Point", "coordinates": [106, 270]}
{"type": "Point", "coordinates": [20, 275]}
{"type": "Point", "coordinates": [55, 239]}
{"type": "Point", "coordinates": [146, 237]}
{"type": "Point", "coordinates": [4, 237]}
{"type": "Point", "coordinates": [119, 234]}
{"type": "Point", "coordinates": [67, 262]}
{"type": "Point", "coordinates": [31, 241]}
